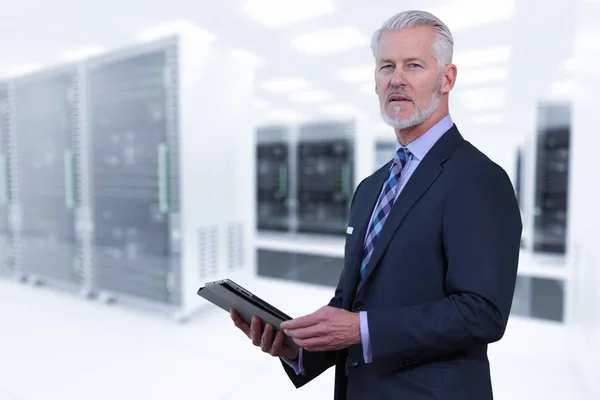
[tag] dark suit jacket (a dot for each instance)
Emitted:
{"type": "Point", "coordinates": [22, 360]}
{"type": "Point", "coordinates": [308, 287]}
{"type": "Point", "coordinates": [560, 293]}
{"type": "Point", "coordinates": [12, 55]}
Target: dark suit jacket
{"type": "Point", "coordinates": [440, 283]}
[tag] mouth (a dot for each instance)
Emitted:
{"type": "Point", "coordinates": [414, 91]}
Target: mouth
{"type": "Point", "coordinates": [398, 98]}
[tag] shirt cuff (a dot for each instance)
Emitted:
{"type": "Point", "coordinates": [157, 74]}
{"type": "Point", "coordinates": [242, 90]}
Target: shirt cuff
{"type": "Point", "coordinates": [296, 365]}
{"type": "Point", "coordinates": [364, 337]}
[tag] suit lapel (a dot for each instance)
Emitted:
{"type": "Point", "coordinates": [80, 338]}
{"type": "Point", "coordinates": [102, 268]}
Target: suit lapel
{"type": "Point", "coordinates": [423, 177]}
{"type": "Point", "coordinates": [364, 207]}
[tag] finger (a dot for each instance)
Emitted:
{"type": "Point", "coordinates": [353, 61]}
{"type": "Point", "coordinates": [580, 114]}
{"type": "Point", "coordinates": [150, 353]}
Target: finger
{"type": "Point", "coordinates": [278, 348]}
{"type": "Point", "coordinates": [321, 343]}
{"type": "Point", "coordinates": [256, 330]}
{"type": "Point", "coordinates": [239, 322]}
{"type": "Point", "coordinates": [266, 339]}
{"type": "Point", "coordinates": [308, 332]}
{"type": "Point", "coordinates": [302, 322]}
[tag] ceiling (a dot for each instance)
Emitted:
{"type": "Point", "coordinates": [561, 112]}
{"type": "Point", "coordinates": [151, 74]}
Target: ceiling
{"type": "Point", "coordinates": [508, 53]}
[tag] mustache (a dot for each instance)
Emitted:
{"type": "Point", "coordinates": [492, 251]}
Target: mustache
{"type": "Point", "coordinates": [399, 91]}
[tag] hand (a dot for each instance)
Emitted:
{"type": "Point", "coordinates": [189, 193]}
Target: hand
{"type": "Point", "coordinates": [263, 338]}
{"type": "Point", "coordinates": [328, 328]}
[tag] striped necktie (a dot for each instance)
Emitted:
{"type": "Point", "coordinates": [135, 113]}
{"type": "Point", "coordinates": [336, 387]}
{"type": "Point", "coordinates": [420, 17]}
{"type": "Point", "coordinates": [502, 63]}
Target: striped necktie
{"type": "Point", "coordinates": [384, 206]}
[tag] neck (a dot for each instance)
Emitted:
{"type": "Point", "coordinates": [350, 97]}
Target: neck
{"type": "Point", "coordinates": [407, 135]}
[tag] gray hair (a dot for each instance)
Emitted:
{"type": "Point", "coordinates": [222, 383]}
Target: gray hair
{"type": "Point", "coordinates": [443, 46]}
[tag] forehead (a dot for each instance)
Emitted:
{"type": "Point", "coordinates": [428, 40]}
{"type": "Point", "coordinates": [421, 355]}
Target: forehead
{"type": "Point", "coordinates": [410, 42]}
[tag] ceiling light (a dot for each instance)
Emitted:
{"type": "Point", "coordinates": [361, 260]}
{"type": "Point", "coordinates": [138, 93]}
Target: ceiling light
{"type": "Point", "coordinates": [83, 52]}
{"type": "Point", "coordinates": [482, 57]}
{"type": "Point", "coordinates": [174, 28]}
{"type": "Point", "coordinates": [339, 109]}
{"type": "Point", "coordinates": [484, 98]}
{"type": "Point", "coordinates": [358, 74]}
{"type": "Point", "coordinates": [284, 85]}
{"type": "Point", "coordinates": [248, 56]}
{"type": "Point", "coordinates": [332, 40]}
{"type": "Point", "coordinates": [464, 14]}
{"type": "Point", "coordinates": [314, 96]}
{"type": "Point", "coordinates": [277, 13]}
{"type": "Point", "coordinates": [282, 115]}
{"type": "Point", "coordinates": [479, 76]}
{"type": "Point", "coordinates": [260, 104]}
{"type": "Point", "coordinates": [562, 89]}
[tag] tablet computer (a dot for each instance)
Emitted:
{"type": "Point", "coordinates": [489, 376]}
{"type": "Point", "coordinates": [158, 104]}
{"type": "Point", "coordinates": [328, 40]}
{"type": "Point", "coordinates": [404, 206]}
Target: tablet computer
{"type": "Point", "coordinates": [227, 294]}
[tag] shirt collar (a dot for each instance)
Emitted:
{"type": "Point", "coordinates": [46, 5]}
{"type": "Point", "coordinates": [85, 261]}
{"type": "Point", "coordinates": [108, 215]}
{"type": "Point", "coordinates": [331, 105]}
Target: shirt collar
{"type": "Point", "coordinates": [421, 145]}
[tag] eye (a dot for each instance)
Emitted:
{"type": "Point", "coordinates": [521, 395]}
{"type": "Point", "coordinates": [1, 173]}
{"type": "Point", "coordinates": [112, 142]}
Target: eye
{"type": "Point", "coordinates": [386, 66]}
{"type": "Point", "coordinates": [414, 65]}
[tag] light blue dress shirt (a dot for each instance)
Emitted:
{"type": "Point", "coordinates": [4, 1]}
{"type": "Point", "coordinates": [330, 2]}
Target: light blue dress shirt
{"type": "Point", "coordinates": [418, 149]}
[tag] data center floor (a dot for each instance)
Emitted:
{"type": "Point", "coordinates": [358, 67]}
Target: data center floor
{"type": "Point", "coordinates": [55, 346]}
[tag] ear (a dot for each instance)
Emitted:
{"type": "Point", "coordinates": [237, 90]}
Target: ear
{"type": "Point", "coordinates": [449, 80]}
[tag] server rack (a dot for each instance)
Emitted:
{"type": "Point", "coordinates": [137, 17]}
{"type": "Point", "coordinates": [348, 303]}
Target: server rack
{"type": "Point", "coordinates": [325, 169]}
{"type": "Point", "coordinates": [6, 249]}
{"type": "Point", "coordinates": [171, 199]}
{"type": "Point", "coordinates": [327, 159]}
{"type": "Point", "coordinates": [46, 130]}
{"type": "Point", "coordinates": [273, 174]}
{"type": "Point", "coordinates": [552, 178]}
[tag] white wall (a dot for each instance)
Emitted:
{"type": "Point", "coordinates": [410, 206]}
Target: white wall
{"type": "Point", "coordinates": [584, 215]}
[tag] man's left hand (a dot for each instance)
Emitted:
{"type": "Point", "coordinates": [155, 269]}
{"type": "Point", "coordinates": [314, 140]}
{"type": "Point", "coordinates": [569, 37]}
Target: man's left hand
{"type": "Point", "coordinates": [328, 328]}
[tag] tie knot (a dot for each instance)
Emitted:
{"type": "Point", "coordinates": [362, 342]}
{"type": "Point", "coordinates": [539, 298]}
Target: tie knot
{"type": "Point", "coordinates": [402, 156]}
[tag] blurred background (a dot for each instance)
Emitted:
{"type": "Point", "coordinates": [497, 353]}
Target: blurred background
{"type": "Point", "coordinates": [149, 147]}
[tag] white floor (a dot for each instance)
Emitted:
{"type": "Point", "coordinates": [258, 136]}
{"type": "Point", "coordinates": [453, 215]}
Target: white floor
{"type": "Point", "coordinates": [55, 346]}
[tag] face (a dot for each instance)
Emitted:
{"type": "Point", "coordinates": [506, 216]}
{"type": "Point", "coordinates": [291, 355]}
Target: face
{"type": "Point", "coordinates": [408, 82]}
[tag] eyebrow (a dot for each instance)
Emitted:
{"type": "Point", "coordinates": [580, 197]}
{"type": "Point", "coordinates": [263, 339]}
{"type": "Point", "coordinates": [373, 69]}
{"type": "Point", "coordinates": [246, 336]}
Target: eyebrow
{"type": "Point", "coordinates": [411, 59]}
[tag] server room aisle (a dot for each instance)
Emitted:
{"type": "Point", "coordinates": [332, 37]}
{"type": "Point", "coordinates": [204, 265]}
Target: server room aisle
{"type": "Point", "coordinates": [56, 347]}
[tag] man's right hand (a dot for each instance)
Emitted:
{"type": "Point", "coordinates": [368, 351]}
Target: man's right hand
{"type": "Point", "coordinates": [263, 336]}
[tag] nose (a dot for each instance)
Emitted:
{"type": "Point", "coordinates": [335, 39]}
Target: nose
{"type": "Point", "coordinates": [398, 78]}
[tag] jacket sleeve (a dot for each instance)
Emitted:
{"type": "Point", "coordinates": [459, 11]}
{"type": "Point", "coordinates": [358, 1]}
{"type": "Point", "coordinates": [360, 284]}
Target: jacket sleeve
{"type": "Point", "coordinates": [481, 234]}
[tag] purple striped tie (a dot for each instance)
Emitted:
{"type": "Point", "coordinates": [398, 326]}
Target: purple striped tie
{"type": "Point", "coordinates": [384, 206]}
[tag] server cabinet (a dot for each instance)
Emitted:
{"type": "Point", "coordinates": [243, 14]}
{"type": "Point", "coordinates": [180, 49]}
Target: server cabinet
{"type": "Point", "coordinates": [6, 260]}
{"type": "Point", "coordinates": [273, 161]}
{"type": "Point", "coordinates": [325, 164]}
{"type": "Point", "coordinates": [168, 147]}
{"type": "Point", "coordinates": [552, 176]}
{"type": "Point", "coordinates": [46, 112]}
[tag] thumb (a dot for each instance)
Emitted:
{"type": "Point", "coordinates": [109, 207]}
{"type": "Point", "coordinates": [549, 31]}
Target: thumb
{"type": "Point", "coordinates": [300, 322]}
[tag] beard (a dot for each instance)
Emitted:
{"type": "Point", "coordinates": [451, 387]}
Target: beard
{"type": "Point", "coordinates": [420, 115]}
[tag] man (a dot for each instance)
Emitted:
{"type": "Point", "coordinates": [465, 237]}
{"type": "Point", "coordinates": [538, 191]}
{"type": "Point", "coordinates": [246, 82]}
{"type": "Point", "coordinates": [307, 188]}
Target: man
{"type": "Point", "coordinates": [432, 253]}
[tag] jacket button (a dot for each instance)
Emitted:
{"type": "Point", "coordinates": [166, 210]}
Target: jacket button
{"type": "Point", "coordinates": [358, 305]}
{"type": "Point", "coordinates": [353, 362]}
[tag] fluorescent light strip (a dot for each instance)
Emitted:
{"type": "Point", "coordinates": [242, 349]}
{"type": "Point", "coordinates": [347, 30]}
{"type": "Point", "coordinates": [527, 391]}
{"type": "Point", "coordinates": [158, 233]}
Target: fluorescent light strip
{"type": "Point", "coordinates": [327, 41]}
{"type": "Point", "coordinates": [482, 57]}
{"type": "Point", "coordinates": [281, 85]}
{"type": "Point", "coordinates": [358, 74]}
{"type": "Point", "coordinates": [563, 89]}
{"type": "Point", "coordinates": [283, 115]}
{"type": "Point", "coordinates": [278, 13]}
{"type": "Point", "coordinates": [339, 109]}
{"type": "Point", "coordinates": [483, 98]}
{"type": "Point", "coordinates": [479, 76]}
{"type": "Point", "coordinates": [248, 56]}
{"type": "Point", "coordinates": [172, 28]}
{"type": "Point", "coordinates": [314, 96]}
{"type": "Point", "coordinates": [467, 14]}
